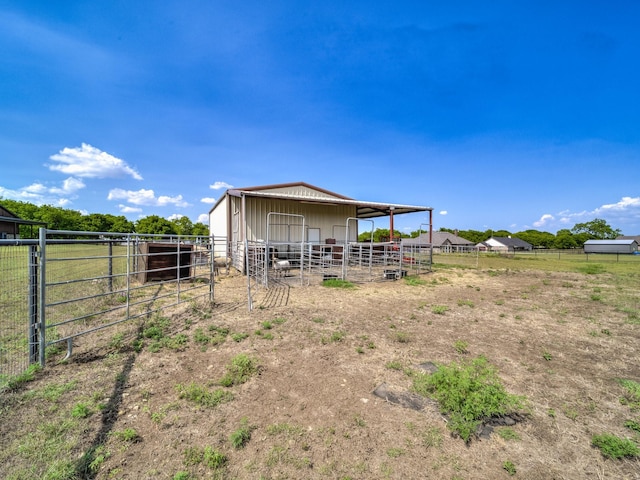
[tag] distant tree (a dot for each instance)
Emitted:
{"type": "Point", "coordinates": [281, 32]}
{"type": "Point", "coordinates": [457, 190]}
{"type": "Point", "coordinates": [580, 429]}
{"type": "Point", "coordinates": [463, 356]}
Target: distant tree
{"type": "Point", "coordinates": [380, 235]}
{"type": "Point", "coordinates": [200, 228]}
{"type": "Point", "coordinates": [120, 224]}
{"type": "Point", "coordinates": [474, 236]}
{"type": "Point", "coordinates": [596, 229]}
{"type": "Point", "coordinates": [565, 239]}
{"type": "Point", "coordinates": [183, 225]}
{"type": "Point", "coordinates": [58, 218]}
{"type": "Point", "coordinates": [155, 224]}
{"type": "Point", "coordinates": [96, 222]}
{"type": "Point", "coordinates": [537, 238]}
{"type": "Point", "coordinates": [498, 233]}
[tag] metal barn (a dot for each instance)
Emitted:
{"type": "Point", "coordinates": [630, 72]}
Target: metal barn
{"type": "Point", "coordinates": [297, 222]}
{"type": "Point", "coordinates": [611, 246]}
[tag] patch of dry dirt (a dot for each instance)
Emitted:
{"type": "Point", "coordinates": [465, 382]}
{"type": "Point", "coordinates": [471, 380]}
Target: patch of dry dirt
{"type": "Point", "coordinates": [318, 388]}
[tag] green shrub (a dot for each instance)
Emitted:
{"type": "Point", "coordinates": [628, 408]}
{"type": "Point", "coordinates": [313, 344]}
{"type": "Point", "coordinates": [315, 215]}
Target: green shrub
{"type": "Point", "coordinates": [509, 466]}
{"type": "Point", "coordinates": [202, 396]}
{"type": "Point", "coordinates": [615, 447]}
{"type": "Point", "coordinates": [241, 436]}
{"type": "Point", "coordinates": [469, 393]}
{"type": "Point", "coordinates": [241, 368]}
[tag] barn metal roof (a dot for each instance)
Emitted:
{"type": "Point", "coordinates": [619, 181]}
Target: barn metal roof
{"type": "Point", "coordinates": [364, 209]}
{"type": "Point", "coordinates": [20, 221]}
{"type": "Point", "coordinates": [619, 241]}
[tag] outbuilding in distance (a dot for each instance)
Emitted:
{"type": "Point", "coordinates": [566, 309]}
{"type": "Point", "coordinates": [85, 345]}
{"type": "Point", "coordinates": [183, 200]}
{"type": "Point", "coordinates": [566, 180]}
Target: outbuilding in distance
{"type": "Point", "coordinates": [628, 246]}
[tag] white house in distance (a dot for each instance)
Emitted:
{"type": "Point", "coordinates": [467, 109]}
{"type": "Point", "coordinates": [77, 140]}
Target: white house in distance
{"type": "Point", "coordinates": [443, 242]}
{"type": "Point", "coordinates": [505, 245]}
{"type": "Point", "coordinates": [293, 212]}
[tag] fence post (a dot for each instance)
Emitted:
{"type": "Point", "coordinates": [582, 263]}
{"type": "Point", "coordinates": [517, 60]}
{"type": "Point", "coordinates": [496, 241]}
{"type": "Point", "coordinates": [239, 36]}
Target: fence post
{"type": "Point", "coordinates": [110, 268]}
{"type": "Point", "coordinates": [42, 238]}
{"type": "Point", "coordinates": [33, 304]}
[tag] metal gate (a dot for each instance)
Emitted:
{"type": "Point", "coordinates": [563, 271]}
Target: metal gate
{"type": "Point", "coordinates": [67, 284]}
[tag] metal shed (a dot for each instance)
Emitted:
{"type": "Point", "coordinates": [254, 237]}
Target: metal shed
{"type": "Point", "coordinates": [610, 246]}
{"type": "Point", "coordinates": [268, 213]}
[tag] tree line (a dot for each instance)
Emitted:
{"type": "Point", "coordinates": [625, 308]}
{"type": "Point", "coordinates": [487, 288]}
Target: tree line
{"type": "Point", "coordinates": [575, 237]}
{"type": "Point", "coordinates": [58, 218]}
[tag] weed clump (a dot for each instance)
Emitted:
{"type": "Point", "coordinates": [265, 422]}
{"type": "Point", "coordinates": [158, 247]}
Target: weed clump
{"type": "Point", "coordinates": [337, 283]}
{"type": "Point", "coordinates": [469, 393]}
{"type": "Point", "coordinates": [203, 396]}
{"type": "Point", "coordinates": [240, 370]}
{"type": "Point", "coordinates": [615, 447]}
{"type": "Point", "coordinates": [242, 435]}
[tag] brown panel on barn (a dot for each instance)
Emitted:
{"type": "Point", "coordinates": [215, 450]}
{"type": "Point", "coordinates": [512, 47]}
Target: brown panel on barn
{"type": "Point", "coordinates": [159, 261]}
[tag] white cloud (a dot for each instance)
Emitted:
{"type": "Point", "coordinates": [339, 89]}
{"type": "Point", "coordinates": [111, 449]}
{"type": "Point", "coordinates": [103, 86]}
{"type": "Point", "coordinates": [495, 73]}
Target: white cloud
{"type": "Point", "coordinates": [41, 194]}
{"type": "Point", "coordinates": [69, 186]}
{"type": "Point", "coordinates": [90, 162]}
{"type": "Point", "coordinates": [203, 218]}
{"type": "Point", "coordinates": [625, 204]}
{"type": "Point", "coordinates": [175, 216]}
{"type": "Point", "coordinates": [624, 212]}
{"type": "Point", "coordinates": [544, 220]}
{"type": "Point", "coordinates": [128, 209]}
{"type": "Point", "coordinates": [146, 198]}
{"type": "Point", "coordinates": [220, 186]}
{"type": "Point", "coordinates": [209, 200]}
{"type": "Point", "coordinates": [443, 212]}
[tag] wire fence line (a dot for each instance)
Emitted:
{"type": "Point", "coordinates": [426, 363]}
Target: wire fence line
{"type": "Point", "coordinates": [67, 284]}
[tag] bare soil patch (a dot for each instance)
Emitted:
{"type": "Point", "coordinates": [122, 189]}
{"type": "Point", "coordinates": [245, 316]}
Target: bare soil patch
{"type": "Point", "coordinates": [311, 407]}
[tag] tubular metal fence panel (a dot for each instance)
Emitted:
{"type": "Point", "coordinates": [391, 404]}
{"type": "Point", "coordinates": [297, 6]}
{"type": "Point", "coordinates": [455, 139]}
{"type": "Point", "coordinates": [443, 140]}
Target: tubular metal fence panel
{"type": "Point", "coordinates": [68, 284]}
{"type": "Point", "coordinates": [270, 265]}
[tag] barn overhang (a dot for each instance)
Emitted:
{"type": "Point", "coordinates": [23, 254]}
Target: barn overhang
{"type": "Point", "coordinates": [364, 210]}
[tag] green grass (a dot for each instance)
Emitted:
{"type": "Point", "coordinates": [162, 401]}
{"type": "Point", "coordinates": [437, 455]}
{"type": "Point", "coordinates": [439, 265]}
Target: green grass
{"type": "Point", "coordinates": [337, 283]}
{"type": "Point", "coordinates": [508, 433]}
{"type": "Point", "coordinates": [439, 309]}
{"type": "Point", "coordinates": [615, 447]}
{"type": "Point", "coordinates": [632, 396]}
{"type": "Point", "coordinates": [240, 437]}
{"type": "Point", "coordinates": [509, 467]}
{"type": "Point", "coordinates": [207, 456]}
{"type": "Point", "coordinates": [128, 435]}
{"type": "Point", "coordinates": [414, 281]}
{"type": "Point", "coordinates": [241, 368]}
{"type": "Point", "coordinates": [202, 396]}
{"type": "Point", "coordinates": [469, 393]}
{"type": "Point", "coordinates": [14, 382]}
{"type": "Point", "coordinates": [461, 346]}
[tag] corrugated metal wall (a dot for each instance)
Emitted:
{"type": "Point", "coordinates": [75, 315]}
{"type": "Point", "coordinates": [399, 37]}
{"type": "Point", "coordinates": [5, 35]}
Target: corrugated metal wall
{"type": "Point", "coordinates": [330, 219]}
{"type": "Point", "coordinates": [300, 191]}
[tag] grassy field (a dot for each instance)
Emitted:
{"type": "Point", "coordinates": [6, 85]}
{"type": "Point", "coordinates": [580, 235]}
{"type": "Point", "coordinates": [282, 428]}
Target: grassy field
{"type": "Point", "coordinates": [287, 391]}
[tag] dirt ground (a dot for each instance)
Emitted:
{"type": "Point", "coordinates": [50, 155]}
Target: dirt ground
{"type": "Point", "coordinates": [311, 408]}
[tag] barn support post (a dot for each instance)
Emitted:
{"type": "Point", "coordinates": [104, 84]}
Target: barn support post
{"type": "Point", "coordinates": [212, 268]}
{"type": "Point", "coordinates": [246, 249]}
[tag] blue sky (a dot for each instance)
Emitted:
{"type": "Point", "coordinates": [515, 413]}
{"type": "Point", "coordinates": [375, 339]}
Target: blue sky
{"type": "Point", "coordinates": [499, 115]}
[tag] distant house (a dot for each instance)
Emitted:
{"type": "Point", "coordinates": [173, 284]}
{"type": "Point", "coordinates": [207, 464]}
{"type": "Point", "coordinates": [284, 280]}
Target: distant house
{"type": "Point", "coordinates": [630, 237]}
{"type": "Point", "coordinates": [629, 245]}
{"type": "Point", "coordinates": [505, 245]}
{"type": "Point", "coordinates": [10, 224]}
{"type": "Point", "coordinates": [443, 242]}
